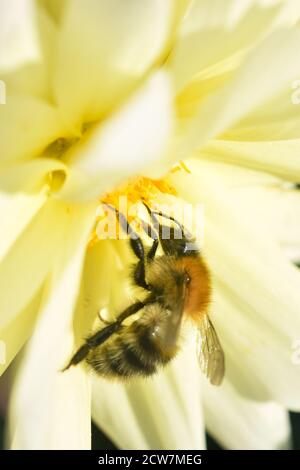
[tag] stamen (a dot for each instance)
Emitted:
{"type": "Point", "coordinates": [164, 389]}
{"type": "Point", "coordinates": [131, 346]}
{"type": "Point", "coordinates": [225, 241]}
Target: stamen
{"type": "Point", "coordinates": [180, 166]}
{"type": "Point", "coordinates": [134, 191]}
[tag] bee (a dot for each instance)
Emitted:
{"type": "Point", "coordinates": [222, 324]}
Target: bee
{"type": "Point", "coordinates": [177, 285]}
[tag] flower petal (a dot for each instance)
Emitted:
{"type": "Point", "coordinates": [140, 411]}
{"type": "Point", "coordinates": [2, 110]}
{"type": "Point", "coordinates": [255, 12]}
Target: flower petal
{"type": "Point", "coordinates": [17, 332]}
{"type": "Point", "coordinates": [51, 409]}
{"type": "Point", "coordinates": [247, 90]}
{"type": "Point", "coordinates": [43, 174]}
{"type": "Point", "coordinates": [277, 119]}
{"type": "Point", "coordinates": [288, 224]}
{"type": "Point", "coordinates": [131, 141]}
{"type": "Point", "coordinates": [105, 48]}
{"type": "Point", "coordinates": [290, 13]}
{"type": "Point", "coordinates": [18, 36]}
{"type": "Point", "coordinates": [27, 126]}
{"type": "Point", "coordinates": [33, 252]}
{"type": "Point", "coordinates": [240, 424]}
{"type": "Point", "coordinates": [163, 412]}
{"type": "Point", "coordinates": [16, 213]}
{"type": "Point", "coordinates": [35, 78]}
{"type": "Point", "coordinates": [226, 38]}
{"type": "Point", "coordinates": [55, 8]}
{"type": "Point", "coordinates": [283, 222]}
{"type": "Point", "coordinates": [277, 157]}
{"type": "Point", "coordinates": [256, 289]}
{"type": "Point", "coordinates": [213, 14]}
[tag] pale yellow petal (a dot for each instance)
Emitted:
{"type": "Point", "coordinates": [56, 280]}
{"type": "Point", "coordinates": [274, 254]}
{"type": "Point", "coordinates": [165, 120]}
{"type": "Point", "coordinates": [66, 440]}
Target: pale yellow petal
{"type": "Point", "coordinates": [213, 14]}
{"type": "Point", "coordinates": [132, 141]}
{"type": "Point", "coordinates": [290, 13]}
{"type": "Point", "coordinates": [100, 59]}
{"type": "Point", "coordinates": [16, 212]}
{"type": "Point", "coordinates": [27, 126]}
{"type": "Point", "coordinates": [240, 424]}
{"type": "Point", "coordinates": [51, 409]}
{"type": "Point", "coordinates": [25, 266]}
{"type": "Point", "coordinates": [278, 119]}
{"type": "Point", "coordinates": [163, 412]}
{"type": "Point", "coordinates": [192, 58]}
{"type": "Point", "coordinates": [32, 176]}
{"type": "Point", "coordinates": [247, 90]}
{"type": "Point", "coordinates": [55, 8]}
{"type": "Point", "coordinates": [288, 224]}
{"type": "Point", "coordinates": [18, 34]}
{"type": "Point", "coordinates": [17, 332]}
{"type": "Point", "coordinates": [256, 289]}
{"type": "Point", "coordinates": [35, 78]}
{"type": "Point", "coordinates": [96, 287]}
{"type": "Point", "coordinates": [278, 205]}
{"type": "Point", "coordinates": [278, 157]}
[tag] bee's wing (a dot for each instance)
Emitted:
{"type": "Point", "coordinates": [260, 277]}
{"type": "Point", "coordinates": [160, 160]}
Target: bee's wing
{"type": "Point", "coordinates": [170, 331]}
{"type": "Point", "coordinates": [210, 352]}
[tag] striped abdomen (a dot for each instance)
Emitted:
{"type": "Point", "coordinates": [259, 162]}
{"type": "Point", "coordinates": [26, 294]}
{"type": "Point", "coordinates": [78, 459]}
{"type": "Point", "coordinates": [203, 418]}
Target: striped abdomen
{"type": "Point", "coordinates": [132, 352]}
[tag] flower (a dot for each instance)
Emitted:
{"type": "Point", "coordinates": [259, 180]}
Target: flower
{"type": "Point", "coordinates": [97, 99]}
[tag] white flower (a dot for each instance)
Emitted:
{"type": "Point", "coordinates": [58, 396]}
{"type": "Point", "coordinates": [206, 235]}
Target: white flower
{"type": "Point", "coordinates": [110, 91]}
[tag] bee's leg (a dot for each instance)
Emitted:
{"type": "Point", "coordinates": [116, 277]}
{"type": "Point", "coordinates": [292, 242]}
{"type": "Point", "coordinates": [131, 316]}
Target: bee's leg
{"type": "Point", "coordinates": [152, 252]}
{"type": "Point", "coordinates": [100, 336]}
{"type": "Point", "coordinates": [135, 241]}
{"type": "Point", "coordinates": [137, 247]}
{"type": "Point", "coordinates": [152, 234]}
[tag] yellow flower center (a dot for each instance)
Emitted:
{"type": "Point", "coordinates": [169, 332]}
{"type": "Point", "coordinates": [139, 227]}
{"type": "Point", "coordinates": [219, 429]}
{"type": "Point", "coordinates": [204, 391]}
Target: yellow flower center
{"type": "Point", "coordinates": [134, 191]}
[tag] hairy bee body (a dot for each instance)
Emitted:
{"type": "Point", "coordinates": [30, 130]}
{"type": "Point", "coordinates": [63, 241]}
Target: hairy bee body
{"type": "Point", "coordinates": [168, 274]}
{"type": "Point", "coordinates": [135, 350]}
{"type": "Point", "coordinates": [178, 286]}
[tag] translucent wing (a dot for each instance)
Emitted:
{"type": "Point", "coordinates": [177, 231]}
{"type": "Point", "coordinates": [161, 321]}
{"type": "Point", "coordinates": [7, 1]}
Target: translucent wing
{"type": "Point", "coordinates": [167, 334]}
{"type": "Point", "coordinates": [210, 352]}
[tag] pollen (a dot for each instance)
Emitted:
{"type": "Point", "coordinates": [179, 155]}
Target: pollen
{"type": "Point", "coordinates": [180, 166]}
{"type": "Point", "coordinates": [134, 191]}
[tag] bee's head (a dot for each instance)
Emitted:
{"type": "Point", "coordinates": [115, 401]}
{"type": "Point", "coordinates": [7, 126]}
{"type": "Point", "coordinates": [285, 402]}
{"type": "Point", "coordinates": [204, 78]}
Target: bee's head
{"type": "Point", "coordinates": [177, 243]}
{"type": "Point", "coordinates": [174, 238]}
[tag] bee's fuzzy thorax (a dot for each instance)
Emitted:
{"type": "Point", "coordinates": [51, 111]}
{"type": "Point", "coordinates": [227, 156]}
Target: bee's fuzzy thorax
{"type": "Point", "coordinates": [198, 295]}
{"type": "Point", "coordinates": [166, 275]}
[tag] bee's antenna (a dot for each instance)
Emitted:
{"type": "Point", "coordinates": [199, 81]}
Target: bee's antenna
{"type": "Point", "coordinates": [153, 218]}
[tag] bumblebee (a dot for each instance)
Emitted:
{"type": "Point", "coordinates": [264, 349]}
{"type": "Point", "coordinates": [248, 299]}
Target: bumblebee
{"type": "Point", "coordinates": [177, 285]}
